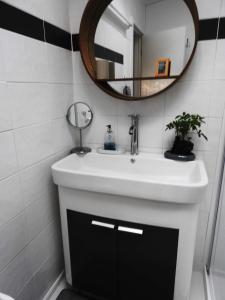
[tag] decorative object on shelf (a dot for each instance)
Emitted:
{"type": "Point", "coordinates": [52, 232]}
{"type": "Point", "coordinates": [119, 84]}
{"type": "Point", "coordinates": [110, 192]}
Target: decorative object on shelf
{"type": "Point", "coordinates": [80, 116]}
{"type": "Point", "coordinates": [127, 91]}
{"type": "Point", "coordinates": [185, 125]}
{"type": "Point", "coordinates": [105, 69]}
{"type": "Point", "coordinates": [162, 67]}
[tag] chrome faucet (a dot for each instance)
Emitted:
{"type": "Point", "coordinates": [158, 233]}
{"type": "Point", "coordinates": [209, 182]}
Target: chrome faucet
{"type": "Point", "coordinates": [134, 134]}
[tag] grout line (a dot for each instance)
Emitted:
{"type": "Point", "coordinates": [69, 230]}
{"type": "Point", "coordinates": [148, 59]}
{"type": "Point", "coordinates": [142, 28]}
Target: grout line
{"type": "Point", "coordinates": [43, 24]}
{"type": "Point", "coordinates": [35, 164]}
{"type": "Point", "coordinates": [37, 82]}
{"type": "Point", "coordinates": [34, 274]}
{"type": "Point", "coordinates": [44, 122]}
{"type": "Point", "coordinates": [27, 244]}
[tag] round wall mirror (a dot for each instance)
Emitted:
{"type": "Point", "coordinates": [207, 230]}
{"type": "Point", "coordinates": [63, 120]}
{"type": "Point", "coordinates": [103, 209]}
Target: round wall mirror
{"type": "Point", "coordinates": [137, 49]}
{"type": "Point", "coordinates": [79, 115]}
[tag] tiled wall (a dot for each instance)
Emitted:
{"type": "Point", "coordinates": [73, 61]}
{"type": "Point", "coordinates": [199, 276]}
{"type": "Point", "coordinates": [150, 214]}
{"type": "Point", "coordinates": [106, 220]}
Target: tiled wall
{"type": "Point", "coordinates": [201, 91]}
{"type": "Point", "coordinates": [35, 91]}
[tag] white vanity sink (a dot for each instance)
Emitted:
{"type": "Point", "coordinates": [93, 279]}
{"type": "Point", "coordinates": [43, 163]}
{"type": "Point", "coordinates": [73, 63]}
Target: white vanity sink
{"type": "Point", "coordinates": [150, 177]}
{"type": "Point", "coordinates": [102, 190]}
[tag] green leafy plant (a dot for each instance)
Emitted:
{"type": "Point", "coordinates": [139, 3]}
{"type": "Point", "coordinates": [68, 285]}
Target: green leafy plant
{"type": "Point", "coordinates": [186, 124]}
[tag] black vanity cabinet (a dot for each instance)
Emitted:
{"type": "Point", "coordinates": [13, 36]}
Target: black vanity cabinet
{"type": "Point", "coordinates": [146, 262]}
{"type": "Point", "coordinates": [118, 260]}
{"type": "Point", "coordinates": [92, 255]}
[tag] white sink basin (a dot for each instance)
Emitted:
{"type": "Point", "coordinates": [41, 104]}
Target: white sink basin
{"type": "Point", "coordinates": [151, 177]}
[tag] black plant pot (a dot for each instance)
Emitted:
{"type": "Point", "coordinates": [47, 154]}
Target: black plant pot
{"type": "Point", "coordinates": [182, 150]}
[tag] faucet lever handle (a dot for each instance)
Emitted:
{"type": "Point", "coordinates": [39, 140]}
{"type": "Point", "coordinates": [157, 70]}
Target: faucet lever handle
{"type": "Point", "coordinates": [131, 130]}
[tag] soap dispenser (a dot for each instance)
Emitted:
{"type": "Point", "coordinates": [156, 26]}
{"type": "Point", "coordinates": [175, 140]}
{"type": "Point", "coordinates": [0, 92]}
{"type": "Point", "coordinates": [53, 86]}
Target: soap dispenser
{"type": "Point", "coordinates": [109, 142]}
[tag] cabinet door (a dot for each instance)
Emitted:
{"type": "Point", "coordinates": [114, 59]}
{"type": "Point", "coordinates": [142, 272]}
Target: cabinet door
{"type": "Point", "coordinates": [93, 256]}
{"type": "Point", "coordinates": [146, 262]}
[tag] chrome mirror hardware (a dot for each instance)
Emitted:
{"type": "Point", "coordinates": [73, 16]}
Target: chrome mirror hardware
{"type": "Point", "coordinates": [133, 131]}
{"type": "Point", "coordinates": [80, 116]}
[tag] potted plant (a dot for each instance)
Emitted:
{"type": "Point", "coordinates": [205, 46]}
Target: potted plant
{"type": "Point", "coordinates": [185, 125]}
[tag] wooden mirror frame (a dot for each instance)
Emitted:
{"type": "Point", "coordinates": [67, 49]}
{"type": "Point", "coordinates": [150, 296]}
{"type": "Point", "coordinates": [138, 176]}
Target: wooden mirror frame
{"type": "Point", "coordinates": [88, 27]}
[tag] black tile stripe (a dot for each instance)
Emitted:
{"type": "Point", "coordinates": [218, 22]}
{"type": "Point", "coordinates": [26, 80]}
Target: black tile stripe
{"type": "Point", "coordinates": [100, 52]}
{"type": "Point", "coordinates": [75, 42]}
{"type": "Point", "coordinates": [105, 53]}
{"type": "Point", "coordinates": [221, 33]}
{"type": "Point", "coordinates": [208, 29]}
{"type": "Point", "coordinates": [57, 36]}
{"type": "Point", "coordinates": [18, 21]}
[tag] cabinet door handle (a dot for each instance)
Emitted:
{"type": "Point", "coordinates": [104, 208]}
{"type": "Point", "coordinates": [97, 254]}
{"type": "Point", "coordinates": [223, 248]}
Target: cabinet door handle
{"type": "Point", "coordinates": [101, 224]}
{"type": "Point", "coordinates": [130, 230]}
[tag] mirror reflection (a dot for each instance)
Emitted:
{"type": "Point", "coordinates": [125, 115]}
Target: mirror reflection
{"type": "Point", "coordinates": [79, 115]}
{"type": "Point", "coordinates": [143, 46]}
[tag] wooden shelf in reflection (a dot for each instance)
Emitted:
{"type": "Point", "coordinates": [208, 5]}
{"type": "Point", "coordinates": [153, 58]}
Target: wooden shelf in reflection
{"type": "Point", "coordinates": [137, 78]}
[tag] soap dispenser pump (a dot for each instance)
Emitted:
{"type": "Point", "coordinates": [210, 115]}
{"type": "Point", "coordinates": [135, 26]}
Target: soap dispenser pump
{"type": "Point", "coordinates": [109, 142]}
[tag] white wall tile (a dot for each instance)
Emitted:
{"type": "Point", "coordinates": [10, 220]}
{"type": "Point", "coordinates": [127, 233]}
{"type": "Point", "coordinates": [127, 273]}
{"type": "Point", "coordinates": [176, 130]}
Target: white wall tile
{"type": "Point", "coordinates": [15, 276]}
{"type": "Point", "coordinates": [217, 99]}
{"type": "Point", "coordinates": [219, 65]}
{"type": "Point", "coordinates": [26, 58]}
{"type": "Point", "coordinates": [5, 108]}
{"type": "Point", "coordinates": [60, 68]}
{"type": "Point", "coordinates": [188, 96]}
{"type": "Point", "coordinates": [14, 235]}
{"type": "Point", "coordinates": [42, 247]}
{"type": "Point", "coordinates": [62, 135]}
{"type": "Point", "coordinates": [151, 132]}
{"type": "Point", "coordinates": [2, 62]}
{"type": "Point", "coordinates": [126, 108]}
{"type": "Point", "coordinates": [153, 107]}
{"type": "Point", "coordinates": [208, 8]}
{"type": "Point", "coordinates": [203, 62]}
{"type": "Point", "coordinates": [222, 13]}
{"type": "Point", "coordinates": [79, 73]}
{"type": "Point", "coordinates": [8, 161]}
{"type": "Point", "coordinates": [76, 11]}
{"type": "Point", "coordinates": [61, 96]}
{"type": "Point", "coordinates": [56, 12]}
{"type": "Point", "coordinates": [214, 127]}
{"type": "Point", "coordinates": [36, 182]}
{"type": "Point", "coordinates": [11, 200]}
{"type": "Point", "coordinates": [35, 92]}
{"type": "Point", "coordinates": [47, 275]}
{"type": "Point", "coordinates": [40, 213]}
{"type": "Point", "coordinates": [210, 160]}
{"type": "Point", "coordinates": [36, 103]}
{"type": "Point", "coordinates": [101, 103]}
{"type": "Point", "coordinates": [28, 291]}
{"type": "Point", "coordinates": [34, 143]}
{"type": "Point", "coordinates": [31, 103]}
